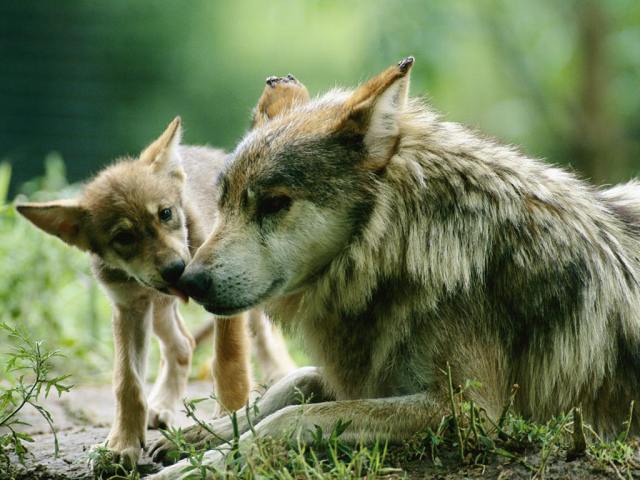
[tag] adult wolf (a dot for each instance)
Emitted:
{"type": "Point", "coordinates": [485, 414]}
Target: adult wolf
{"type": "Point", "coordinates": [399, 243]}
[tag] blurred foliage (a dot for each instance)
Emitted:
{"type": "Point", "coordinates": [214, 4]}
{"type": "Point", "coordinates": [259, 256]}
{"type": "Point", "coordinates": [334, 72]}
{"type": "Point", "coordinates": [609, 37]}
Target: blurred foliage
{"type": "Point", "coordinates": [95, 80]}
{"type": "Point", "coordinates": [46, 287]}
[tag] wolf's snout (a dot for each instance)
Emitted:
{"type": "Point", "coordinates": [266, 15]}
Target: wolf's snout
{"type": "Point", "coordinates": [195, 283]}
{"type": "Point", "coordinates": [172, 271]}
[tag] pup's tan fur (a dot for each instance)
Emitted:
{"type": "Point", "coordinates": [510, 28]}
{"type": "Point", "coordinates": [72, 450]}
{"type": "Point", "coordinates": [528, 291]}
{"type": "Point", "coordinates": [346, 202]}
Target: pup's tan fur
{"type": "Point", "coordinates": [117, 220]}
{"type": "Point", "coordinates": [399, 244]}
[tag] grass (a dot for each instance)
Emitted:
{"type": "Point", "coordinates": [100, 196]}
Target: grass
{"type": "Point", "coordinates": [325, 457]}
{"type": "Point", "coordinates": [466, 443]}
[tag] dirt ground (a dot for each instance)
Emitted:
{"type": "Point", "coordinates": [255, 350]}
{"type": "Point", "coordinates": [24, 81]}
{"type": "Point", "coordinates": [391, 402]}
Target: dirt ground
{"type": "Point", "coordinates": [83, 417]}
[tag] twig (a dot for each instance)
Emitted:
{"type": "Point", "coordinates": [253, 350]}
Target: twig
{"type": "Point", "coordinates": [474, 427]}
{"type": "Point", "coordinates": [27, 397]}
{"type": "Point", "coordinates": [547, 453]}
{"type": "Point", "coordinates": [456, 425]}
{"type": "Point", "coordinates": [507, 409]}
{"type": "Point", "coordinates": [616, 470]}
{"type": "Point", "coordinates": [628, 422]}
{"type": "Point", "coordinates": [579, 440]}
{"type": "Point", "coordinates": [247, 410]}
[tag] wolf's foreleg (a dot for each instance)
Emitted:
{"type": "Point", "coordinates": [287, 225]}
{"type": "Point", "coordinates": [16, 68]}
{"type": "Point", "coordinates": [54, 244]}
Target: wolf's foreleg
{"type": "Point", "coordinates": [384, 420]}
{"type": "Point", "coordinates": [301, 385]}
{"type": "Point", "coordinates": [176, 348]}
{"type": "Point", "coordinates": [269, 347]}
{"type": "Point", "coordinates": [131, 328]}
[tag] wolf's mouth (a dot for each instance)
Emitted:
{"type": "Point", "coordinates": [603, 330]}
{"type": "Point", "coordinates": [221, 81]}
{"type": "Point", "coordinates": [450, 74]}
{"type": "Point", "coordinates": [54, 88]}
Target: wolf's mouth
{"type": "Point", "coordinates": [229, 311]}
{"type": "Point", "coordinates": [167, 290]}
{"type": "Point", "coordinates": [176, 292]}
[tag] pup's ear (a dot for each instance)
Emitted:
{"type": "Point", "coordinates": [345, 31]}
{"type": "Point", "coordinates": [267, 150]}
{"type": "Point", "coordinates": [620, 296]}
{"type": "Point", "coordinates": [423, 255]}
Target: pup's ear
{"type": "Point", "coordinates": [279, 95]}
{"type": "Point", "coordinates": [63, 218]}
{"type": "Point", "coordinates": [163, 154]}
{"type": "Point", "coordinates": [373, 108]}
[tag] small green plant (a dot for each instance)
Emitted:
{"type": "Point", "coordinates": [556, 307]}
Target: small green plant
{"type": "Point", "coordinates": [105, 466]}
{"type": "Point", "coordinates": [28, 380]}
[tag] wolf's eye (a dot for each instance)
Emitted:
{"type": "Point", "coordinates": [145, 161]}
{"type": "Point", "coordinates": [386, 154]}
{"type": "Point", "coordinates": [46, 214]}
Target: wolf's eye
{"type": "Point", "coordinates": [165, 214]}
{"type": "Point", "coordinates": [124, 238]}
{"type": "Point", "coordinates": [275, 204]}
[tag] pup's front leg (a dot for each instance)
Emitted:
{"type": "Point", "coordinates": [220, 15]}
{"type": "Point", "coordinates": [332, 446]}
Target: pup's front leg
{"type": "Point", "coordinates": [176, 349]}
{"type": "Point", "coordinates": [131, 327]}
{"type": "Point", "coordinates": [231, 363]}
{"type": "Point", "coordinates": [386, 420]}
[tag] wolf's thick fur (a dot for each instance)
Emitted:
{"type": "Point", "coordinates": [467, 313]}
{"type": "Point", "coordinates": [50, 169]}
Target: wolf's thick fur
{"type": "Point", "coordinates": [118, 220]}
{"type": "Point", "coordinates": [405, 243]}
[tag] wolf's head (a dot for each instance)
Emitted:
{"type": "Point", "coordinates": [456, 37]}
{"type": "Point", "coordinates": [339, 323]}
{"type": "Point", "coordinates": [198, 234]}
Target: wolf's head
{"type": "Point", "coordinates": [131, 215]}
{"type": "Point", "coordinates": [298, 188]}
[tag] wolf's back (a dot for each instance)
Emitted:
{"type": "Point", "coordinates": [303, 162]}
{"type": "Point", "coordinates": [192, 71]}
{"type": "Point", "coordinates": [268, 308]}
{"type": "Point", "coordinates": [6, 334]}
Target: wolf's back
{"type": "Point", "coordinates": [624, 201]}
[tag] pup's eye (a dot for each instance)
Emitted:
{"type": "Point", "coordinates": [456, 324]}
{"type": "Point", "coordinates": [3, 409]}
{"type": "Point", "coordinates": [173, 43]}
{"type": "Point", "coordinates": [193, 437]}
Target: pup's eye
{"type": "Point", "coordinates": [165, 214]}
{"type": "Point", "coordinates": [124, 238]}
{"type": "Point", "coordinates": [275, 204]}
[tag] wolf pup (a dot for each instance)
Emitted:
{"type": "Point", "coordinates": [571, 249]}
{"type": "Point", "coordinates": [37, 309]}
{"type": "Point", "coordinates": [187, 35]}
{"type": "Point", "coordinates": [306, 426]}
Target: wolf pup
{"type": "Point", "coordinates": [401, 244]}
{"type": "Point", "coordinates": [141, 220]}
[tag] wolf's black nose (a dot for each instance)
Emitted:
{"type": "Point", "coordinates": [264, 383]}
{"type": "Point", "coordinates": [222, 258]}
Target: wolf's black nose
{"type": "Point", "coordinates": [172, 271]}
{"type": "Point", "coordinates": [195, 283]}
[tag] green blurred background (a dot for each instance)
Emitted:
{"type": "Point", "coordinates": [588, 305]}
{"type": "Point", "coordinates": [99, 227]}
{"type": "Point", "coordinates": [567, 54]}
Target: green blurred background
{"type": "Point", "coordinates": [90, 81]}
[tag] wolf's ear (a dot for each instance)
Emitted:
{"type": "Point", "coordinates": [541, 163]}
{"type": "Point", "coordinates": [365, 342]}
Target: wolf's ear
{"type": "Point", "coordinates": [279, 95]}
{"type": "Point", "coordinates": [163, 154]}
{"type": "Point", "coordinates": [373, 109]}
{"type": "Point", "coordinates": [63, 218]}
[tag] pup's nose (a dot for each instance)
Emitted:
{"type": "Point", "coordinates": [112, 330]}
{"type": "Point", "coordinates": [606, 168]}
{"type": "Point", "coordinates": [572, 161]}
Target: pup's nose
{"type": "Point", "coordinates": [195, 283]}
{"type": "Point", "coordinates": [171, 272]}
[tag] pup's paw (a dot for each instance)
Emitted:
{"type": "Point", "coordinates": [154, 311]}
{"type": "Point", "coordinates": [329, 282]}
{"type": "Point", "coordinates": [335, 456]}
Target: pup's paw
{"type": "Point", "coordinates": [160, 417]}
{"type": "Point", "coordinates": [121, 450]}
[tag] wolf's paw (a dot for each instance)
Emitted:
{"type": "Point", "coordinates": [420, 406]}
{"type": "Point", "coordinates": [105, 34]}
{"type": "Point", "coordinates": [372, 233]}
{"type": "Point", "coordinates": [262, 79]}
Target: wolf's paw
{"type": "Point", "coordinates": [163, 450]}
{"type": "Point", "coordinates": [160, 417]}
{"type": "Point", "coordinates": [106, 462]}
{"type": "Point", "coordinates": [120, 450]}
{"type": "Point", "coordinates": [183, 470]}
